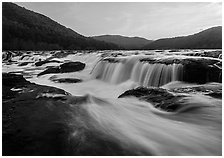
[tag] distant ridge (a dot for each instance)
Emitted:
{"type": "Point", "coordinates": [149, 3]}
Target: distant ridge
{"type": "Point", "coordinates": [208, 39]}
{"type": "Point", "coordinates": [124, 42]}
{"type": "Point", "coordinates": [26, 30]}
{"type": "Point", "coordinates": [23, 29]}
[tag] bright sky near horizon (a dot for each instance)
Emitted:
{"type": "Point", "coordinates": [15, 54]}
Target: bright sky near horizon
{"type": "Point", "coordinates": [151, 20]}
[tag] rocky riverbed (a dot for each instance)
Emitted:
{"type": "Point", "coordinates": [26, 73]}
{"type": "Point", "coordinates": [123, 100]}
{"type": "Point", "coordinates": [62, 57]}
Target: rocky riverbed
{"type": "Point", "coordinates": [112, 103]}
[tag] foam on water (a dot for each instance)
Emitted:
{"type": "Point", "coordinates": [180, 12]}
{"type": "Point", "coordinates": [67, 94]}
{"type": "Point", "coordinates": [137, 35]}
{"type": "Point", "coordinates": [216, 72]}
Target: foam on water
{"type": "Point", "coordinates": [144, 73]}
{"type": "Point", "coordinates": [138, 124]}
{"type": "Point", "coordinates": [193, 130]}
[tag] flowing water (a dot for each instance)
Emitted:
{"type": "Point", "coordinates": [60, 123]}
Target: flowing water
{"type": "Point", "coordinates": [143, 73]}
{"type": "Point", "coordinates": [195, 129]}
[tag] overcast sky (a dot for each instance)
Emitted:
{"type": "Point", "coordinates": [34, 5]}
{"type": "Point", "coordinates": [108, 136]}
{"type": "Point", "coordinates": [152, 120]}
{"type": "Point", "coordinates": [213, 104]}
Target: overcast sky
{"type": "Point", "coordinates": [149, 19]}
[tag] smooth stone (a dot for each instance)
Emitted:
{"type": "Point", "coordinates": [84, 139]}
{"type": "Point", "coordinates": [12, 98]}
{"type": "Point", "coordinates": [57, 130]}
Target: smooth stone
{"type": "Point", "coordinates": [64, 68]}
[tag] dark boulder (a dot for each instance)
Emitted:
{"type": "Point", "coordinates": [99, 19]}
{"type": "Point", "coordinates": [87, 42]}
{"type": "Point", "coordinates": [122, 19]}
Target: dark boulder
{"type": "Point", "coordinates": [213, 54]}
{"type": "Point", "coordinates": [199, 71]}
{"type": "Point", "coordinates": [61, 54]}
{"type": "Point", "coordinates": [11, 80]}
{"type": "Point", "coordinates": [211, 89]}
{"type": "Point", "coordinates": [113, 60]}
{"type": "Point", "coordinates": [26, 55]}
{"type": "Point", "coordinates": [65, 80]}
{"type": "Point", "coordinates": [40, 63]}
{"type": "Point", "coordinates": [24, 63]}
{"type": "Point", "coordinates": [215, 94]}
{"type": "Point", "coordinates": [195, 70]}
{"type": "Point", "coordinates": [71, 67]}
{"type": "Point", "coordinates": [47, 121]}
{"type": "Point", "coordinates": [29, 123]}
{"type": "Point", "coordinates": [159, 97]}
{"type": "Point", "coordinates": [63, 68]}
{"type": "Point", "coordinates": [182, 60]}
{"type": "Point", "coordinates": [50, 71]}
{"type": "Point", "coordinates": [7, 56]}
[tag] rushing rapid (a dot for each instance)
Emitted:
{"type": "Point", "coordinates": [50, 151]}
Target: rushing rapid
{"type": "Point", "coordinates": [141, 127]}
{"type": "Point", "coordinates": [134, 122]}
{"type": "Point", "coordinates": [144, 73]}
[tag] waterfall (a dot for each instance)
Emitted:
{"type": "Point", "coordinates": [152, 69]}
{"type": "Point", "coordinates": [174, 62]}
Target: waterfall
{"type": "Point", "coordinates": [146, 74]}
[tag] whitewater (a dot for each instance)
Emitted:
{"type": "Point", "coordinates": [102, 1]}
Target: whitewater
{"type": "Point", "coordinates": [136, 125]}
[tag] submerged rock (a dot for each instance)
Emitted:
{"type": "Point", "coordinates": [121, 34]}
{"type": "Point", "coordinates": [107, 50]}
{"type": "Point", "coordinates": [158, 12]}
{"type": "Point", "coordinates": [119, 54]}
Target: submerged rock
{"type": "Point", "coordinates": [65, 80]}
{"type": "Point", "coordinates": [63, 68]}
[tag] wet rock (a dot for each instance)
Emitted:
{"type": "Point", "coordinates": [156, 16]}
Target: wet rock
{"type": "Point", "coordinates": [50, 71]}
{"type": "Point", "coordinates": [7, 56]}
{"type": "Point", "coordinates": [63, 68]}
{"type": "Point", "coordinates": [65, 80]}
{"type": "Point", "coordinates": [33, 126]}
{"type": "Point", "coordinates": [159, 51]}
{"type": "Point", "coordinates": [40, 63]}
{"type": "Point", "coordinates": [201, 72]}
{"type": "Point", "coordinates": [174, 50]}
{"type": "Point", "coordinates": [61, 54]}
{"type": "Point", "coordinates": [11, 80]}
{"type": "Point", "coordinates": [215, 94]}
{"type": "Point", "coordinates": [195, 70]}
{"type": "Point", "coordinates": [213, 54]}
{"type": "Point", "coordinates": [47, 121]}
{"type": "Point", "coordinates": [181, 60]}
{"type": "Point", "coordinates": [24, 63]}
{"type": "Point", "coordinates": [72, 67]}
{"type": "Point", "coordinates": [26, 55]}
{"type": "Point", "coordinates": [113, 60]}
{"type": "Point", "coordinates": [211, 89]}
{"type": "Point", "coordinates": [159, 97]}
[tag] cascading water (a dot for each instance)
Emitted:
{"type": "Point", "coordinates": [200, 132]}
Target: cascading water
{"type": "Point", "coordinates": [144, 73]}
{"type": "Point", "coordinates": [101, 123]}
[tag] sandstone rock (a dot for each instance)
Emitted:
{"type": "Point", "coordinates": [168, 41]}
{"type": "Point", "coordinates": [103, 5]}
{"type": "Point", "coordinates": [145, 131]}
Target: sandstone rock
{"type": "Point", "coordinates": [7, 56]}
{"type": "Point", "coordinates": [47, 121]}
{"type": "Point", "coordinates": [11, 80]}
{"type": "Point", "coordinates": [40, 63]}
{"type": "Point", "coordinates": [160, 98]}
{"type": "Point", "coordinates": [195, 70]}
{"type": "Point", "coordinates": [24, 63]}
{"type": "Point", "coordinates": [211, 89]}
{"type": "Point", "coordinates": [71, 67]}
{"type": "Point", "coordinates": [66, 80]}
{"type": "Point", "coordinates": [63, 68]}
